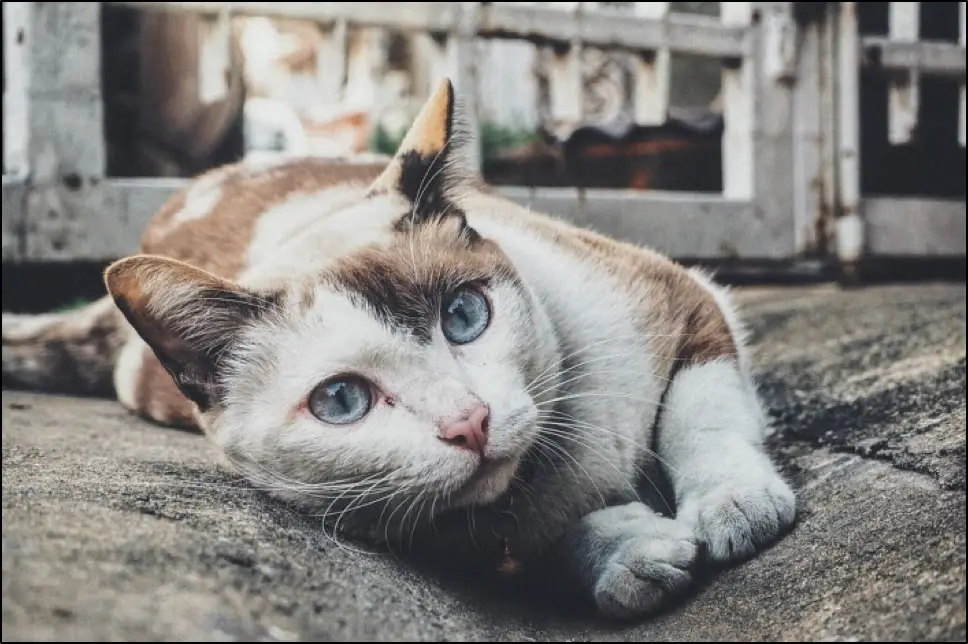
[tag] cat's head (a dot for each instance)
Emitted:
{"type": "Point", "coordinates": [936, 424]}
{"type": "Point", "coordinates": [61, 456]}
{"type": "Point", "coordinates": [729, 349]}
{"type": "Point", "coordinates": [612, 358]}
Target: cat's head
{"type": "Point", "coordinates": [412, 367]}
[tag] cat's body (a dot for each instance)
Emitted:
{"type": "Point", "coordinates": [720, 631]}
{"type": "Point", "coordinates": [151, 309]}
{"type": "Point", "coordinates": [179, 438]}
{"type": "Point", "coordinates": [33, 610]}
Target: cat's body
{"type": "Point", "coordinates": [517, 374]}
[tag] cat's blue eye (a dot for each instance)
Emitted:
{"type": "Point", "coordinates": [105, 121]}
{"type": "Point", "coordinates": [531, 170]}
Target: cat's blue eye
{"type": "Point", "coordinates": [341, 400]}
{"type": "Point", "coordinates": [464, 316]}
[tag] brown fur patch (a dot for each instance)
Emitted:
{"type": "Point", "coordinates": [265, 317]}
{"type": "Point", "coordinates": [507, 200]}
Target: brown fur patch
{"type": "Point", "coordinates": [683, 319]}
{"type": "Point", "coordinates": [159, 399]}
{"type": "Point", "coordinates": [218, 241]}
{"type": "Point", "coordinates": [406, 283]}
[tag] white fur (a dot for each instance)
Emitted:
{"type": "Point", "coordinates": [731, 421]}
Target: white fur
{"type": "Point", "coordinates": [128, 369]}
{"type": "Point", "coordinates": [200, 199]}
{"type": "Point", "coordinates": [306, 232]}
{"type": "Point", "coordinates": [711, 438]}
{"type": "Point", "coordinates": [18, 327]}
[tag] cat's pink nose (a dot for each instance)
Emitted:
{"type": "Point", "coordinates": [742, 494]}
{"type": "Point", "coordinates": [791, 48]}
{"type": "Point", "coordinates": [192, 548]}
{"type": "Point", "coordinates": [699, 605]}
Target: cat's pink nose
{"type": "Point", "coordinates": [470, 432]}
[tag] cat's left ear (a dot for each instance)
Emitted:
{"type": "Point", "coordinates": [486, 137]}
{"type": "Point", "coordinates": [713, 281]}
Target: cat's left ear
{"type": "Point", "coordinates": [188, 317]}
{"type": "Point", "coordinates": [430, 164]}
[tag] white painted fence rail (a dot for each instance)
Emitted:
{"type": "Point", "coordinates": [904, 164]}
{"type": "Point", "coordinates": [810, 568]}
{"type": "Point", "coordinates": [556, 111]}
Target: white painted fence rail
{"type": "Point", "coordinates": [791, 153]}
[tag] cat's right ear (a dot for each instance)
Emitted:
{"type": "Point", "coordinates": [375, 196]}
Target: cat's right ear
{"type": "Point", "coordinates": [430, 165]}
{"type": "Point", "coordinates": [187, 316]}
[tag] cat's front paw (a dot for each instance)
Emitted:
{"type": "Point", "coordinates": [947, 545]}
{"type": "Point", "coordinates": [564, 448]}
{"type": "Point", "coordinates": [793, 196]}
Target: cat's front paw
{"type": "Point", "coordinates": [738, 518]}
{"type": "Point", "coordinates": [648, 566]}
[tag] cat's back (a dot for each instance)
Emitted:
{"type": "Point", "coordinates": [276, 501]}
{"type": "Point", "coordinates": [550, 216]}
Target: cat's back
{"type": "Point", "coordinates": [605, 287]}
{"type": "Point", "coordinates": [220, 219]}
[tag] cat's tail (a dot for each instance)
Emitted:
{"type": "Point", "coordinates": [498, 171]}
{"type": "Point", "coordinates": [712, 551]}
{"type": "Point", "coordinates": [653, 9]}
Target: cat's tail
{"type": "Point", "coordinates": [73, 352]}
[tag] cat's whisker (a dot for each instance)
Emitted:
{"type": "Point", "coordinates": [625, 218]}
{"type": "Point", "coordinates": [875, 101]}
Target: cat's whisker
{"type": "Point", "coordinates": [472, 525]}
{"type": "Point", "coordinates": [268, 484]}
{"type": "Point", "coordinates": [350, 507]}
{"type": "Point", "coordinates": [410, 507]}
{"type": "Point", "coordinates": [389, 520]}
{"type": "Point", "coordinates": [550, 372]}
{"type": "Point", "coordinates": [600, 394]}
{"type": "Point", "coordinates": [563, 452]}
{"type": "Point", "coordinates": [590, 374]}
{"type": "Point", "coordinates": [549, 428]}
{"type": "Point", "coordinates": [416, 521]}
{"type": "Point", "coordinates": [433, 512]}
{"type": "Point", "coordinates": [339, 542]}
{"type": "Point", "coordinates": [554, 413]}
{"type": "Point", "coordinates": [332, 484]}
{"type": "Point", "coordinates": [558, 430]}
{"type": "Point", "coordinates": [329, 508]}
{"type": "Point", "coordinates": [545, 375]}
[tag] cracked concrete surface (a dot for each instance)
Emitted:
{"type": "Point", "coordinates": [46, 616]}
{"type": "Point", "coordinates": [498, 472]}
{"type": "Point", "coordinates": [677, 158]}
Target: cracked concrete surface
{"type": "Point", "coordinates": [115, 529]}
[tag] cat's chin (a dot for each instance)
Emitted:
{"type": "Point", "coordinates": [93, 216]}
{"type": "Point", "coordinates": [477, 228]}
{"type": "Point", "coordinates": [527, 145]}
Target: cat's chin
{"type": "Point", "coordinates": [488, 482]}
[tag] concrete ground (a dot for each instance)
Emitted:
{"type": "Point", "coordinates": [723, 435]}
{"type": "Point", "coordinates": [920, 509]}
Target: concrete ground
{"type": "Point", "coordinates": [114, 529]}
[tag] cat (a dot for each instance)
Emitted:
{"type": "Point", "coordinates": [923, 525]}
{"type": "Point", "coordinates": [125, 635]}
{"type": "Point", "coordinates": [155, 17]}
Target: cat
{"type": "Point", "coordinates": [398, 347]}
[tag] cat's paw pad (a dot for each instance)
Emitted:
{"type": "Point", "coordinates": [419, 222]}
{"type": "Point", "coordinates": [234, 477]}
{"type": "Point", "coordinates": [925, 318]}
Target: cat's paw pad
{"type": "Point", "coordinates": [647, 567]}
{"type": "Point", "coordinates": [738, 519]}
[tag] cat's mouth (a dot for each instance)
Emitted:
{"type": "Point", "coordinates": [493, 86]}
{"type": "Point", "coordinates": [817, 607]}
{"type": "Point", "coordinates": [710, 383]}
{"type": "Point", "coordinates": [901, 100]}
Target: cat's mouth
{"type": "Point", "coordinates": [491, 474]}
{"type": "Point", "coordinates": [488, 481]}
{"type": "Point", "coordinates": [489, 465]}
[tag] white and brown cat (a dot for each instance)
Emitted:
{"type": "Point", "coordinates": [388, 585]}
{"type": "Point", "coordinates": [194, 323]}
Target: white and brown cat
{"type": "Point", "coordinates": [433, 364]}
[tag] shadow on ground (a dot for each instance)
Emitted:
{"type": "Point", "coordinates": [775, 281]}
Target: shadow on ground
{"type": "Point", "coordinates": [115, 529]}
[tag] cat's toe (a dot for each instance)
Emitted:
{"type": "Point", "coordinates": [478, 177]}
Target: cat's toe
{"type": "Point", "coordinates": [736, 521]}
{"type": "Point", "coordinates": [646, 571]}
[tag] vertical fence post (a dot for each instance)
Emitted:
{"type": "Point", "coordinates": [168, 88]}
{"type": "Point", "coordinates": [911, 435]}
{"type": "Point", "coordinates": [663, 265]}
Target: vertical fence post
{"type": "Point", "coordinates": [215, 59]}
{"type": "Point", "coordinates": [808, 139]}
{"type": "Point", "coordinates": [455, 57]}
{"type": "Point", "coordinates": [651, 89]}
{"type": "Point", "coordinates": [15, 126]}
{"type": "Point", "coordinates": [758, 155]}
{"type": "Point", "coordinates": [828, 120]}
{"type": "Point", "coordinates": [461, 57]}
{"type": "Point", "coordinates": [739, 87]}
{"type": "Point", "coordinates": [331, 62]}
{"type": "Point", "coordinates": [54, 129]}
{"type": "Point", "coordinates": [961, 115]}
{"type": "Point", "coordinates": [16, 57]}
{"type": "Point", "coordinates": [850, 225]}
{"type": "Point", "coordinates": [903, 90]}
{"type": "Point", "coordinates": [365, 67]}
{"type": "Point", "coordinates": [565, 80]}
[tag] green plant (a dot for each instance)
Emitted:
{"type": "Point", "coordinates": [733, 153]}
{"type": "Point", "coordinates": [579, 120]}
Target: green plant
{"type": "Point", "coordinates": [383, 142]}
{"type": "Point", "coordinates": [496, 138]}
{"type": "Point", "coordinates": [72, 305]}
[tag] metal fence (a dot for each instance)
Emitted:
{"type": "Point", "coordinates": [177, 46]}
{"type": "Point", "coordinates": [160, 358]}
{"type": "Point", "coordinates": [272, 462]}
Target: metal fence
{"type": "Point", "coordinates": [790, 90]}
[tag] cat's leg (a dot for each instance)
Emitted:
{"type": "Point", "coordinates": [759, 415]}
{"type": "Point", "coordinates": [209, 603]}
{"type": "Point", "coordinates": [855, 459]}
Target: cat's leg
{"type": "Point", "coordinates": [710, 441]}
{"type": "Point", "coordinates": [631, 559]}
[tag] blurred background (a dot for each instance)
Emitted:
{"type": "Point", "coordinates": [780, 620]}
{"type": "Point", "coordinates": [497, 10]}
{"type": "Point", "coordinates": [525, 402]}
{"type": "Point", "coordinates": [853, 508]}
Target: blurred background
{"type": "Point", "coordinates": [775, 141]}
